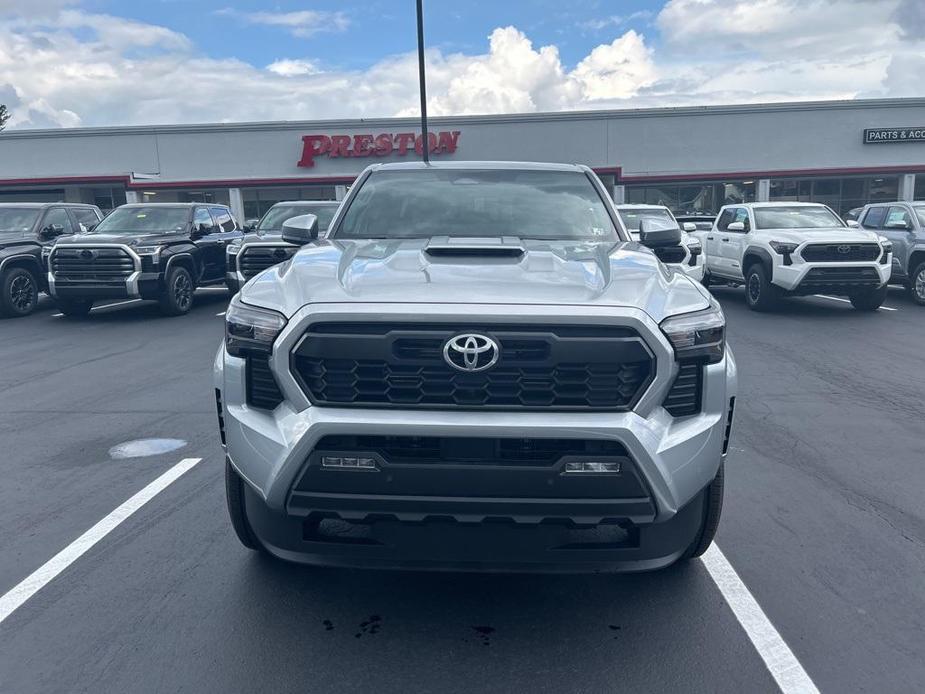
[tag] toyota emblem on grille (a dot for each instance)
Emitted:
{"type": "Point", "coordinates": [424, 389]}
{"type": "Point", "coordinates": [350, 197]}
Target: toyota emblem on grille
{"type": "Point", "coordinates": [87, 254]}
{"type": "Point", "coordinates": [844, 249]}
{"type": "Point", "coordinates": [471, 352]}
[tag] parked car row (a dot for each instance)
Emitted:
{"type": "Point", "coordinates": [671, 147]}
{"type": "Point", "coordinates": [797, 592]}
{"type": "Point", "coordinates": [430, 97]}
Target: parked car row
{"type": "Point", "coordinates": [164, 251]}
{"type": "Point", "coordinates": [156, 251]}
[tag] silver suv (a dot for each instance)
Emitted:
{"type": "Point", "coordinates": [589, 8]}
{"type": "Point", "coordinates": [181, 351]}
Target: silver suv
{"type": "Point", "coordinates": [475, 369]}
{"type": "Point", "coordinates": [903, 223]}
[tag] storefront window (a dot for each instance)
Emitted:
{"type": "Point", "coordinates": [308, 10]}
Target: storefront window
{"type": "Point", "coordinates": [841, 194]}
{"type": "Point", "coordinates": [704, 198]}
{"type": "Point", "coordinates": [919, 187]}
{"type": "Point", "coordinates": [258, 200]}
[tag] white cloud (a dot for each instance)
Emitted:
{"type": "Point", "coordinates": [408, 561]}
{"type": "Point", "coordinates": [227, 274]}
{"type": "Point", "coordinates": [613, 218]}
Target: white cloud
{"type": "Point", "coordinates": [303, 23]}
{"type": "Point", "coordinates": [614, 20]}
{"type": "Point", "coordinates": [78, 68]}
{"type": "Point", "coordinates": [293, 68]}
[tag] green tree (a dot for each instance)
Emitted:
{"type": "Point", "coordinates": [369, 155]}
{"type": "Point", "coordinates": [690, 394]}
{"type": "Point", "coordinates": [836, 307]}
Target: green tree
{"type": "Point", "coordinates": [4, 116]}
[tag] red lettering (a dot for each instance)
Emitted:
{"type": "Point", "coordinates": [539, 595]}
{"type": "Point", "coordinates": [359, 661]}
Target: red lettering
{"type": "Point", "coordinates": [340, 146]}
{"type": "Point", "coordinates": [404, 140]}
{"type": "Point", "coordinates": [312, 146]}
{"type": "Point", "coordinates": [383, 145]}
{"type": "Point", "coordinates": [447, 142]}
{"type": "Point", "coordinates": [362, 145]}
{"type": "Point", "coordinates": [431, 142]}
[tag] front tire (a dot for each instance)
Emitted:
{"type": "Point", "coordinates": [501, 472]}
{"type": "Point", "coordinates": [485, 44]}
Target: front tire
{"type": "Point", "coordinates": [234, 495]}
{"type": "Point", "coordinates": [869, 300]}
{"type": "Point", "coordinates": [19, 293]}
{"type": "Point", "coordinates": [712, 511]}
{"type": "Point", "coordinates": [177, 298]}
{"type": "Point", "coordinates": [760, 294]}
{"type": "Point", "coordinates": [917, 284]}
{"type": "Point", "coordinates": [74, 308]}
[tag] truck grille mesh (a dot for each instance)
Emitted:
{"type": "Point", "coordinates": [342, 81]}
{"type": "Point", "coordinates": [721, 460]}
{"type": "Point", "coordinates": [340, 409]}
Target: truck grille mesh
{"type": "Point", "coordinates": [840, 253]}
{"type": "Point", "coordinates": [402, 365]}
{"type": "Point", "coordinates": [90, 263]}
{"type": "Point", "coordinates": [255, 259]}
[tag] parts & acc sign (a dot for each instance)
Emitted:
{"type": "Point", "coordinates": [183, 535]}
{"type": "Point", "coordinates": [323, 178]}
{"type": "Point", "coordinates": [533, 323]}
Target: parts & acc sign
{"type": "Point", "coordinates": [877, 136]}
{"type": "Point", "coordinates": [382, 145]}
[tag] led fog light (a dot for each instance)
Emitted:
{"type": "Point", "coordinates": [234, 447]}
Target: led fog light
{"type": "Point", "coordinates": [337, 462]}
{"type": "Point", "coordinates": [592, 466]}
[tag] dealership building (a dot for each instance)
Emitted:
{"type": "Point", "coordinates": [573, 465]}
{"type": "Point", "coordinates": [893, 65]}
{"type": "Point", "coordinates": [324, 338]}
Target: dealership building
{"type": "Point", "coordinates": [693, 159]}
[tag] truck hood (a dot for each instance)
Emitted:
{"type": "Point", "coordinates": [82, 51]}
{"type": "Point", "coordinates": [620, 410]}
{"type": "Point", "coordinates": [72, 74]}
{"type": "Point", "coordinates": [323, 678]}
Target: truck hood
{"type": "Point", "coordinates": [834, 235]}
{"type": "Point", "coordinates": [14, 237]}
{"type": "Point", "coordinates": [403, 271]}
{"type": "Point", "coordinates": [91, 238]}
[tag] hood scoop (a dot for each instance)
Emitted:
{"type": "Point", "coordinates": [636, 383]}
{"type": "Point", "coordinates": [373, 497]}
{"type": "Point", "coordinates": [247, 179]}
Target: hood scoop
{"type": "Point", "coordinates": [474, 247]}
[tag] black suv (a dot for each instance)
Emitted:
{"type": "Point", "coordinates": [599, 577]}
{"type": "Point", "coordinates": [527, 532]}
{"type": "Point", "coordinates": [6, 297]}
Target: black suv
{"type": "Point", "coordinates": [27, 231]}
{"type": "Point", "coordinates": [263, 245]}
{"type": "Point", "coordinates": [159, 251]}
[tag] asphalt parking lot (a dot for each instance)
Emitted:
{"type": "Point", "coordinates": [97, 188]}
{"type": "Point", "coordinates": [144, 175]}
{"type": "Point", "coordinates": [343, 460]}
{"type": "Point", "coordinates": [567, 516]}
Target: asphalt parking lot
{"type": "Point", "coordinates": [824, 522]}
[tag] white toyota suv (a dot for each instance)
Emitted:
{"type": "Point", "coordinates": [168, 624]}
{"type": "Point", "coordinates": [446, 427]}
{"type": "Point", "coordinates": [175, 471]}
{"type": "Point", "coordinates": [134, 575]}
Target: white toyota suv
{"type": "Point", "coordinates": [687, 256]}
{"type": "Point", "coordinates": [781, 249]}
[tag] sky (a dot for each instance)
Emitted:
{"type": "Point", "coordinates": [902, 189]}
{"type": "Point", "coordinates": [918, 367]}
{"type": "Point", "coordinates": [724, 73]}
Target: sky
{"type": "Point", "coordinates": [74, 63]}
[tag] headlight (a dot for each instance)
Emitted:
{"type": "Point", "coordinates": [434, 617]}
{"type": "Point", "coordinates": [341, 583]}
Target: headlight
{"type": "Point", "coordinates": [698, 335]}
{"type": "Point", "coordinates": [887, 246]}
{"type": "Point", "coordinates": [250, 329]}
{"type": "Point", "coordinates": [154, 252]}
{"type": "Point", "coordinates": [782, 248]}
{"type": "Point", "coordinates": [233, 248]}
{"type": "Point", "coordinates": [695, 247]}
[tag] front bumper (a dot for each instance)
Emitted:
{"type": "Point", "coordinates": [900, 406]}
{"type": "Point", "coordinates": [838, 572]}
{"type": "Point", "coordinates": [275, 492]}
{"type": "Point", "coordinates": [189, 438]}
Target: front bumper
{"type": "Point", "coordinates": [798, 278]}
{"type": "Point", "coordinates": [674, 457]}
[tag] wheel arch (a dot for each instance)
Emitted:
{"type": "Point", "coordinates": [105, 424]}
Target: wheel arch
{"type": "Point", "coordinates": [915, 258]}
{"type": "Point", "coordinates": [184, 259]}
{"type": "Point", "coordinates": [27, 261]}
{"type": "Point", "coordinates": [756, 254]}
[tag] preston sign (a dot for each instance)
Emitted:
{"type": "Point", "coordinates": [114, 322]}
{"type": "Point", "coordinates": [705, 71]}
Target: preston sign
{"type": "Point", "coordinates": [381, 145]}
{"type": "Point", "coordinates": [879, 135]}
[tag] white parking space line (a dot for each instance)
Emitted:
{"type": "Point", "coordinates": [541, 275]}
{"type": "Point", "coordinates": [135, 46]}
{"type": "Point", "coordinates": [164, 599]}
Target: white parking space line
{"type": "Point", "coordinates": [220, 314]}
{"type": "Point", "coordinates": [776, 654]}
{"type": "Point", "coordinates": [848, 301]}
{"type": "Point", "coordinates": [212, 289]}
{"type": "Point", "coordinates": [67, 556]}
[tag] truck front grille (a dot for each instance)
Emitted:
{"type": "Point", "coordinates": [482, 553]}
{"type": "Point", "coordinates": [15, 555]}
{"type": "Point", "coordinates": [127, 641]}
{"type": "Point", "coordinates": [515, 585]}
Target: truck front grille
{"type": "Point", "coordinates": [539, 367]}
{"type": "Point", "coordinates": [840, 253]}
{"type": "Point", "coordinates": [87, 263]}
{"type": "Point", "coordinates": [671, 254]}
{"type": "Point", "coordinates": [253, 260]}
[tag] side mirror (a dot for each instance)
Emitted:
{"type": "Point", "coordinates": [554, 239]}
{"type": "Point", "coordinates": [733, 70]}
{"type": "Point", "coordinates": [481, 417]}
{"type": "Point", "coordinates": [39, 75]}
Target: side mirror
{"type": "Point", "coordinates": [853, 223]}
{"type": "Point", "coordinates": [653, 237]}
{"type": "Point", "coordinates": [300, 230]}
{"type": "Point", "coordinates": [248, 228]}
{"type": "Point", "coordinates": [736, 226]}
{"type": "Point", "coordinates": [689, 226]}
{"type": "Point", "coordinates": [53, 230]}
{"type": "Point", "coordinates": [201, 229]}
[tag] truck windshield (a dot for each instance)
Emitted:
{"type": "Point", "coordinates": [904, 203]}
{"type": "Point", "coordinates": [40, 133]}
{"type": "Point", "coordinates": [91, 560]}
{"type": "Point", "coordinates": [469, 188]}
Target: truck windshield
{"type": "Point", "coordinates": [132, 220]}
{"type": "Point", "coordinates": [815, 217]}
{"type": "Point", "coordinates": [274, 218]}
{"type": "Point", "coordinates": [18, 218]}
{"type": "Point", "coordinates": [477, 203]}
{"type": "Point", "coordinates": [660, 219]}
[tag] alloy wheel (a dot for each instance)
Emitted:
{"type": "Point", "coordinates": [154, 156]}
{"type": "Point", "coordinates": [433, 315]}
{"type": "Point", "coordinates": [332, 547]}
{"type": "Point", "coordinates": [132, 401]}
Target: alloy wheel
{"type": "Point", "coordinates": [22, 293]}
{"type": "Point", "coordinates": [754, 288]}
{"type": "Point", "coordinates": [183, 291]}
{"type": "Point", "coordinates": [920, 286]}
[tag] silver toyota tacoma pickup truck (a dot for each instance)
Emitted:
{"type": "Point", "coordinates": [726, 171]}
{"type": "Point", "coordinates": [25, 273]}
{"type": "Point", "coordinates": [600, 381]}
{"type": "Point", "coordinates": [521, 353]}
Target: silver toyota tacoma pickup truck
{"type": "Point", "coordinates": [476, 368]}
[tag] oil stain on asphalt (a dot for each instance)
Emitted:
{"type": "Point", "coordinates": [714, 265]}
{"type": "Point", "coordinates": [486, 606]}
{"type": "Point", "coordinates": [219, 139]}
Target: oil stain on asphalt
{"type": "Point", "coordinates": [370, 626]}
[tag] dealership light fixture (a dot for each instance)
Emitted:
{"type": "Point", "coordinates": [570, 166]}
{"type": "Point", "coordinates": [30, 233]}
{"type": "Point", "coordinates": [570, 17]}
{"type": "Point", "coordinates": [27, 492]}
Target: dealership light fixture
{"type": "Point", "coordinates": [425, 139]}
